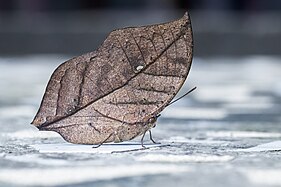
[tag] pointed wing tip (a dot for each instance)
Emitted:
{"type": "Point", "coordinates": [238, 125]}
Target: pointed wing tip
{"type": "Point", "coordinates": [33, 122]}
{"type": "Point", "coordinates": [186, 16]}
{"type": "Point", "coordinates": [38, 126]}
{"type": "Point", "coordinates": [36, 122]}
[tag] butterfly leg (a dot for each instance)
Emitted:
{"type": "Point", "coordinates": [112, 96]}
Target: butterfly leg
{"type": "Point", "coordinates": [97, 146]}
{"type": "Point", "coordinates": [150, 136]}
{"type": "Point", "coordinates": [142, 139]}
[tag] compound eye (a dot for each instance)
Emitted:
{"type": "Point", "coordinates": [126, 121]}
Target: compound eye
{"type": "Point", "coordinates": [152, 120]}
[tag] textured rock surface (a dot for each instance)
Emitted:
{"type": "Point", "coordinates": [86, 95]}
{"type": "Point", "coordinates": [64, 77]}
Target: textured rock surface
{"type": "Point", "coordinates": [227, 133]}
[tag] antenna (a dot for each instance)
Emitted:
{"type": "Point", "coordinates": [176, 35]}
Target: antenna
{"type": "Point", "coordinates": [172, 102]}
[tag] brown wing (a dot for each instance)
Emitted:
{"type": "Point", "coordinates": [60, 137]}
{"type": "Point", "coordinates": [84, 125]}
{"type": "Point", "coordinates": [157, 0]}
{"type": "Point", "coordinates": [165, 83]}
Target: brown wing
{"type": "Point", "coordinates": [134, 74]}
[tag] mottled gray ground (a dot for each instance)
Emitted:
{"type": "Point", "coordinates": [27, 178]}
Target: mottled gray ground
{"type": "Point", "coordinates": [227, 133]}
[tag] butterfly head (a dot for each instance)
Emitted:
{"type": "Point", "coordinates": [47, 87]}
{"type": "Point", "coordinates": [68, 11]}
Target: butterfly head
{"type": "Point", "coordinates": [152, 121]}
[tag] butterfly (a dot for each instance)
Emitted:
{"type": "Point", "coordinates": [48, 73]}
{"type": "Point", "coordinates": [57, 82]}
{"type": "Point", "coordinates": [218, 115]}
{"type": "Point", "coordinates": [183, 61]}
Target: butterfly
{"type": "Point", "coordinates": [117, 92]}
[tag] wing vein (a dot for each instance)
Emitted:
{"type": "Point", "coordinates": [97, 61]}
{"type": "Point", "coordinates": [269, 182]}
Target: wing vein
{"type": "Point", "coordinates": [126, 83]}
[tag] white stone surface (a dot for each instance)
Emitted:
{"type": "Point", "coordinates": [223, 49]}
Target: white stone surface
{"type": "Point", "coordinates": [226, 133]}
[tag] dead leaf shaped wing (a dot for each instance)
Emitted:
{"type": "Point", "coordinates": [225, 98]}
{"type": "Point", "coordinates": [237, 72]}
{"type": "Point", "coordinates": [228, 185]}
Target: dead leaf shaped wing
{"type": "Point", "coordinates": [134, 74]}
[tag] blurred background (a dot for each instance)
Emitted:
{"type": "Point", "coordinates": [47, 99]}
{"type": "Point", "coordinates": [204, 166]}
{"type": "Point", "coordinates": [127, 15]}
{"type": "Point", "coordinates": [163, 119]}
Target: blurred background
{"type": "Point", "coordinates": [221, 27]}
{"type": "Point", "coordinates": [226, 133]}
